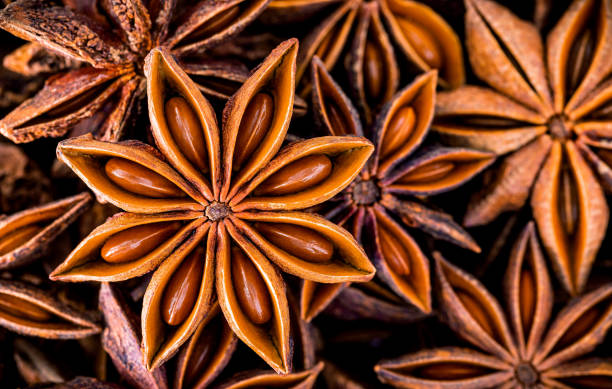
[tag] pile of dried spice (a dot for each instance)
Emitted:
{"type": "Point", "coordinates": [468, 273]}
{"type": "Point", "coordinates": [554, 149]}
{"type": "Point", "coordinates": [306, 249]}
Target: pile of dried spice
{"type": "Point", "coordinates": [305, 194]}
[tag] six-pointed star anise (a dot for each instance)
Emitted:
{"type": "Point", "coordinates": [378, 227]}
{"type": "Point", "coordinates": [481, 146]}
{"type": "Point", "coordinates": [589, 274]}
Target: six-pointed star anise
{"type": "Point", "coordinates": [219, 208]}
{"type": "Point", "coordinates": [113, 37]}
{"type": "Point", "coordinates": [380, 205]}
{"type": "Point", "coordinates": [548, 108]}
{"type": "Point", "coordinates": [522, 349]}
{"type": "Point", "coordinates": [370, 29]}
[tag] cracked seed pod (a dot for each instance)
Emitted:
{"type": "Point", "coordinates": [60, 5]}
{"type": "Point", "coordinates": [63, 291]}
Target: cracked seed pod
{"type": "Point", "coordinates": [547, 112]}
{"type": "Point", "coordinates": [27, 310]}
{"type": "Point", "coordinates": [221, 209]}
{"type": "Point", "coordinates": [376, 207]}
{"type": "Point", "coordinates": [266, 379]}
{"type": "Point", "coordinates": [520, 348]}
{"type": "Point", "coordinates": [110, 85]}
{"type": "Point", "coordinates": [25, 235]}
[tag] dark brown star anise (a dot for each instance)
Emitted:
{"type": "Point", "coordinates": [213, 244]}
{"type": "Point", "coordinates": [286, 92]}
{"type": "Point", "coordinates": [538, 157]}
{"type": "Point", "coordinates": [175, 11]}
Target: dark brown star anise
{"type": "Point", "coordinates": [548, 111]}
{"type": "Point", "coordinates": [217, 206]}
{"type": "Point", "coordinates": [112, 38]}
{"type": "Point", "coordinates": [521, 349]}
{"type": "Point", "coordinates": [382, 203]}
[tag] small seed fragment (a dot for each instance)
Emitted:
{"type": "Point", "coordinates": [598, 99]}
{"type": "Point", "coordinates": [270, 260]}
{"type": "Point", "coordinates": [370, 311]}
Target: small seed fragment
{"type": "Point", "coordinates": [527, 298]}
{"type": "Point", "coordinates": [394, 253]}
{"type": "Point", "coordinates": [423, 42]}
{"type": "Point", "coordinates": [253, 127]}
{"type": "Point", "coordinates": [14, 239]}
{"type": "Point", "coordinates": [24, 309]}
{"type": "Point", "coordinates": [399, 130]}
{"type": "Point", "coordinates": [297, 176]}
{"type": "Point", "coordinates": [136, 242]}
{"type": "Point", "coordinates": [182, 290]}
{"type": "Point", "coordinates": [336, 119]}
{"type": "Point", "coordinates": [568, 202]}
{"type": "Point", "coordinates": [477, 311]}
{"type": "Point", "coordinates": [250, 288]}
{"type": "Point", "coordinates": [449, 371]}
{"type": "Point", "coordinates": [298, 241]}
{"type": "Point", "coordinates": [373, 70]}
{"type": "Point", "coordinates": [203, 351]}
{"type": "Point", "coordinates": [186, 131]}
{"type": "Point", "coordinates": [431, 172]}
{"type": "Point", "coordinates": [140, 180]}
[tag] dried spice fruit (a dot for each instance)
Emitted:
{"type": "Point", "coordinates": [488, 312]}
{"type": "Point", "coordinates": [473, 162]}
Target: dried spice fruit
{"type": "Point", "coordinates": [25, 235]}
{"type": "Point", "coordinates": [375, 207]}
{"type": "Point", "coordinates": [216, 211]}
{"type": "Point", "coordinates": [548, 113]}
{"type": "Point", "coordinates": [266, 379]}
{"type": "Point", "coordinates": [521, 350]}
{"type": "Point", "coordinates": [28, 310]}
{"type": "Point", "coordinates": [113, 39]}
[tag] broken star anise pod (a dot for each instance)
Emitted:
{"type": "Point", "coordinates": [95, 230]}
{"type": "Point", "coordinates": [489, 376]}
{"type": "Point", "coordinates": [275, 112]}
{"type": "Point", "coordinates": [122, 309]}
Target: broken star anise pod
{"type": "Point", "coordinates": [221, 208]}
{"type": "Point", "coordinates": [547, 110]}
{"type": "Point", "coordinates": [382, 203]}
{"type": "Point", "coordinates": [113, 38]}
{"type": "Point", "coordinates": [522, 349]}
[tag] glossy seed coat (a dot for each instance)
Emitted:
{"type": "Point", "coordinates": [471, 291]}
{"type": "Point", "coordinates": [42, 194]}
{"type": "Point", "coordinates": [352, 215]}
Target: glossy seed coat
{"type": "Point", "coordinates": [449, 371]}
{"type": "Point", "coordinates": [297, 176]}
{"type": "Point", "coordinates": [298, 241]}
{"type": "Point", "coordinates": [394, 253]}
{"type": "Point", "coordinates": [182, 290]}
{"type": "Point", "coordinates": [203, 351]}
{"type": "Point", "coordinates": [253, 127]}
{"type": "Point", "coordinates": [399, 131]}
{"type": "Point", "coordinates": [186, 131]}
{"type": "Point", "coordinates": [477, 311]}
{"type": "Point", "coordinates": [430, 172]}
{"type": "Point", "coordinates": [527, 296]}
{"type": "Point", "coordinates": [423, 43]}
{"type": "Point", "coordinates": [138, 179]}
{"type": "Point", "coordinates": [250, 288]}
{"type": "Point", "coordinates": [136, 242]}
{"type": "Point", "coordinates": [373, 71]}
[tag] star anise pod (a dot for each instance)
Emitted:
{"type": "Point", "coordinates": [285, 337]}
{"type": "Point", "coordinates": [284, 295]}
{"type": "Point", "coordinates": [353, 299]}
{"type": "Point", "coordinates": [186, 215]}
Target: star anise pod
{"type": "Point", "coordinates": [548, 110]}
{"type": "Point", "coordinates": [521, 349]}
{"type": "Point", "coordinates": [112, 38]}
{"type": "Point", "coordinates": [236, 228]}
{"type": "Point", "coordinates": [367, 31]}
{"type": "Point", "coordinates": [382, 203]}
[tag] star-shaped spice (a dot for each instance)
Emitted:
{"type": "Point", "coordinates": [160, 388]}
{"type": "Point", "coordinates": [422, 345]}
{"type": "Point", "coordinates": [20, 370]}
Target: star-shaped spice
{"type": "Point", "coordinates": [381, 204]}
{"type": "Point", "coordinates": [217, 206]}
{"type": "Point", "coordinates": [547, 108]}
{"type": "Point", "coordinates": [522, 349]}
{"type": "Point", "coordinates": [113, 38]}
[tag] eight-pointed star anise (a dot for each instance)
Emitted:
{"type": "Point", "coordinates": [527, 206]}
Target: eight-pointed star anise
{"type": "Point", "coordinates": [522, 349]}
{"type": "Point", "coordinates": [548, 108]}
{"type": "Point", "coordinates": [221, 209]}
{"type": "Point", "coordinates": [113, 37]}
{"type": "Point", "coordinates": [380, 205]}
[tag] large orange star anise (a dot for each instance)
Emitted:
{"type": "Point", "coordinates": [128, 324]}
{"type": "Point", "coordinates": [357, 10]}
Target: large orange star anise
{"type": "Point", "coordinates": [548, 110]}
{"type": "Point", "coordinates": [217, 206]}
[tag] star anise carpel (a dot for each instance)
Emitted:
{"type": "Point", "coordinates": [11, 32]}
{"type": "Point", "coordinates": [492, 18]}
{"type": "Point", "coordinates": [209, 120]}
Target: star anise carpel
{"type": "Point", "coordinates": [111, 40]}
{"type": "Point", "coordinates": [520, 348]}
{"type": "Point", "coordinates": [547, 110]}
{"type": "Point", "coordinates": [216, 209]}
{"type": "Point", "coordinates": [382, 203]}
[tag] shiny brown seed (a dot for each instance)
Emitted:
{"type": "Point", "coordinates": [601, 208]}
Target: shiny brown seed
{"type": "Point", "coordinates": [186, 131]}
{"type": "Point", "coordinates": [24, 309]}
{"type": "Point", "coordinates": [136, 242]}
{"type": "Point", "coordinates": [394, 253]}
{"type": "Point", "coordinates": [14, 239]}
{"type": "Point", "coordinates": [449, 371]}
{"type": "Point", "coordinates": [140, 180]}
{"type": "Point", "coordinates": [431, 172]}
{"type": "Point", "coordinates": [297, 176]}
{"type": "Point", "coordinates": [203, 351]}
{"type": "Point", "coordinates": [253, 127]}
{"type": "Point", "coordinates": [373, 71]}
{"type": "Point", "coordinates": [217, 23]}
{"type": "Point", "coordinates": [477, 311]}
{"type": "Point", "coordinates": [250, 288]}
{"type": "Point", "coordinates": [580, 327]}
{"type": "Point", "coordinates": [182, 290]}
{"type": "Point", "coordinates": [298, 241]}
{"type": "Point", "coordinates": [399, 130]}
{"type": "Point", "coordinates": [423, 42]}
{"type": "Point", "coordinates": [527, 298]}
{"type": "Point", "coordinates": [567, 202]}
{"type": "Point", "coordinates": [337, 120]}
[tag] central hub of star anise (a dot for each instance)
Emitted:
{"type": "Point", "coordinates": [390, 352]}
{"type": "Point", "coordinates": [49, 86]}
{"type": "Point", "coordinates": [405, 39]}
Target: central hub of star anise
{"type": "Point", "coordinates": [365, 192]}
{"type": "Point", "coordinates": [560, 127]}
{"type": "Point", "coordinates": [526, 374]}
{"type": "Point", "coordinates": [216, 211]}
